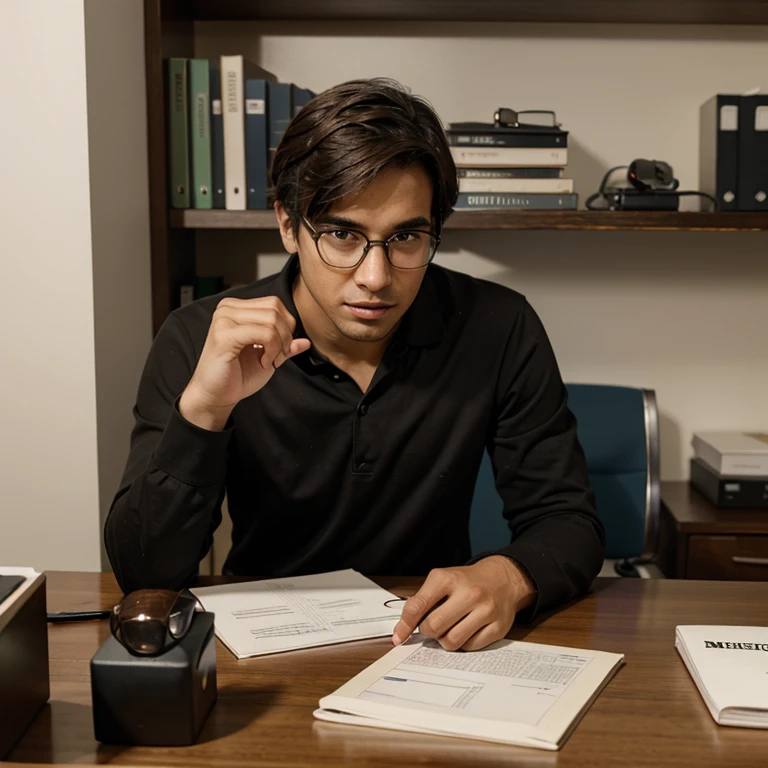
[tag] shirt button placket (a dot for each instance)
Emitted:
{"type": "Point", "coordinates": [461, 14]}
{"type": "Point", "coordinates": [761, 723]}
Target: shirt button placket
{"type": "Point", "coordinates": [361, 465]}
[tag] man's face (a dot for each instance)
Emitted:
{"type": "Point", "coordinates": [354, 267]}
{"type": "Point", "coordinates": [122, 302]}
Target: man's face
{"type": "Point", "coordinates": [367, 302]}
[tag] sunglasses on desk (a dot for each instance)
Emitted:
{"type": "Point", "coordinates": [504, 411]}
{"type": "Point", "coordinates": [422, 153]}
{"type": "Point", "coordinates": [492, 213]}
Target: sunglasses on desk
{"type": "Point", "coordinates": [150, 621]}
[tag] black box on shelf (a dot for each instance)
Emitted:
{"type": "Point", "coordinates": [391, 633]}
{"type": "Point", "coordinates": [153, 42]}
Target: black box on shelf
{"type": "Point", "coordinates": [729, 492]}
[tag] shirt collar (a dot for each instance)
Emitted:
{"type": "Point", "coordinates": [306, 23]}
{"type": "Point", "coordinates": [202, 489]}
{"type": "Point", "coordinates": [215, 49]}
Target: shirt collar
{"type": "Point", "coordinates": [422, 324]}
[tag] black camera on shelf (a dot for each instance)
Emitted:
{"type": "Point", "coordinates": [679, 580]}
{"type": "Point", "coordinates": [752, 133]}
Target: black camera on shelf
{"type": "Point", "coordinates": [648, 185]}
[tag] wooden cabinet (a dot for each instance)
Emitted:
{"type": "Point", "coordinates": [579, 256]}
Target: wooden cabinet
{"type": "Point", "coordinates": [700, 541]}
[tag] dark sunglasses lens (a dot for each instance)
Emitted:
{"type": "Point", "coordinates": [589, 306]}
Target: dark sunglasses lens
{"type": "Point", "coordinates": [144, 637]}
{"type": "Point", "coordinates": [140, 621]}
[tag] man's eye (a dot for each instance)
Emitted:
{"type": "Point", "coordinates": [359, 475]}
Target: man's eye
{"type": "Point", "coordinates": [341, 234]}
{"type": "Point", "coordinates": [403, 237]}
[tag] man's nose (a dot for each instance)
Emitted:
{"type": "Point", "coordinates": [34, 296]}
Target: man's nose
{"type": "Point", "coordinates": [375, 272]}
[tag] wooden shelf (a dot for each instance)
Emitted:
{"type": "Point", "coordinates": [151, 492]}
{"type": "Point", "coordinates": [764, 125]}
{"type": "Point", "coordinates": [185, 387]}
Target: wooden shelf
{"type": "Point", "coordinates": [565, 220]}
{"type": "Point", "coordinates": [170, 31]}
{"type": "Point", "coordinates": [584, 11]}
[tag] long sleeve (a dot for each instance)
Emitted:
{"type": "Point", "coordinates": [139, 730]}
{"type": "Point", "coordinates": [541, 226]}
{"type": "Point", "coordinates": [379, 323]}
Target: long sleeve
{"type": "Point", "coordinates": [541, 472]}
{"type": "Point", "coordinates": [162, 519]}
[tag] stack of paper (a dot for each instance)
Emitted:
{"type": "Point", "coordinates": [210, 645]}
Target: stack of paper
{"type": "Point", "coordinates": [730, 668]}
{"type": "Point", "coordinates": [512, 692]}
{"type": "Point", "coordinates": [254, 618]}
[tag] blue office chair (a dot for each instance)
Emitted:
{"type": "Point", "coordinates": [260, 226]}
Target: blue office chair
{"type": "Point", "coordinates": [618, 428]}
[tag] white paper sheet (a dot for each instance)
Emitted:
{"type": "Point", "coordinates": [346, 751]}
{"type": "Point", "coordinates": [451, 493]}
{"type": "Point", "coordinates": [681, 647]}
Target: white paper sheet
{"type": "Point", "coordinates": [274, 615]}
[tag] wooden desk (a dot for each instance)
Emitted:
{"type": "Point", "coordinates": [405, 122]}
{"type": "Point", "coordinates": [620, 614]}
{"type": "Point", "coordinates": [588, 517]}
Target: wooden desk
{"type": "Point", "coordinates": [701, 541]}
{"type": "Point", "coordinates": [649, 714]}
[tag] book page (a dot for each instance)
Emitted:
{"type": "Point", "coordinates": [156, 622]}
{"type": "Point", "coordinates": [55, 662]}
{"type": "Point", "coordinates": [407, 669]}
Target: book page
{"type": "Point", "coordinates": [516, 685]}
{"type": "Point", "coordinates": [516, 692]}
{"type": "Point", "coordinates": [259, 617]}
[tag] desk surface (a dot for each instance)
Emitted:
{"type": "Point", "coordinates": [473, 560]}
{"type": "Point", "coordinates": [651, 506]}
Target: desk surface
{"type": "Point", "coordinates": [649, 714]}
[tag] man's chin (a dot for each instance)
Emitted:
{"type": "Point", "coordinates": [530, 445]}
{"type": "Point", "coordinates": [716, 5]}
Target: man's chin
{"type": "Point", "coordinates": [362, 331]}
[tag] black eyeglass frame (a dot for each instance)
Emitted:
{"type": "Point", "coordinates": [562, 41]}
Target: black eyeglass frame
{"type": "Point", "coordinates": [317, 234]}
{"type": "Point", "coordinates": [510, 118]}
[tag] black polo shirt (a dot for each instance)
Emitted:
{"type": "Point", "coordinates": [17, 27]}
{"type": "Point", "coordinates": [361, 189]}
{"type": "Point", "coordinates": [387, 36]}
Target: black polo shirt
{"type": "Point", "coordinates": [320, 476]}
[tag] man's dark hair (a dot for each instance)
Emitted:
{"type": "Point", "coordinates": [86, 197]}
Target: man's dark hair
{"type": "Point", "coordinates": [341, 139]}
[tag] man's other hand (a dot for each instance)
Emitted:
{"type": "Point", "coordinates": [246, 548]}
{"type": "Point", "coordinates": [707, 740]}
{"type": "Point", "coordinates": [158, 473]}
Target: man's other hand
{"type": "Point", "coordinates": [467, 607]}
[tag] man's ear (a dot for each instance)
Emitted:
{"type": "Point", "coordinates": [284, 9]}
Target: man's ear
{"type": "Point", "coordinates": [287, 235]}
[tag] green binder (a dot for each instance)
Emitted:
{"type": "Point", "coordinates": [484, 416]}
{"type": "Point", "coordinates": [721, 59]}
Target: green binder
{"type": "Point", "coordinates": [178, 148]}
{"type": "Point", "coordinates": [200, 134]}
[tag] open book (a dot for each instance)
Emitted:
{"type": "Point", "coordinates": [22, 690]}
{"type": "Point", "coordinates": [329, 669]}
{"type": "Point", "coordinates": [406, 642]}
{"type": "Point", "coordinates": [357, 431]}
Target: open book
{"type": "Point", "coordinates": [730, 668]}
{"type": "Point", "coordinates": [253, 618]}
{"type": "Point", "coordinates": [511, 692]}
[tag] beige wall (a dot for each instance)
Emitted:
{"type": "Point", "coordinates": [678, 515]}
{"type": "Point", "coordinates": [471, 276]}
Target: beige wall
{"type": "Point", "coordinates": [74, 259]}
{"type": "Point", "coordinates": [684, 313]}
{"type": "Point", "coordinates": [117, 123]}
{"type": "Point", "coordinates": [49, 480]}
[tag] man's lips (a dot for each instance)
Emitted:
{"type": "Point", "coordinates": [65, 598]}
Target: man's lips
{"type": "Point", "coordinates": [368, 310]}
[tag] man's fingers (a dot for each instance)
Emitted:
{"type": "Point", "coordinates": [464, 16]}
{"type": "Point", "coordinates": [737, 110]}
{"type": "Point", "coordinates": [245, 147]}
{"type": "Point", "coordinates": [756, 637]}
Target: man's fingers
{"type": "Point", "coordinates": [241, 336]}
{"type": "Point", "coordinates": [485, 636]}
{"type": "Point", "coordinates": [267, 302]}
{"type": "Point", "coordinates": [298, 346]}
{"type": "Point", "coordinates": [436, 587]}
{"type": "Point", "coordinates": [451, 612]}
{"type": "Point", "coordinates": [461, 632]}
{"type": "Point", "coordinates": [258, 316]}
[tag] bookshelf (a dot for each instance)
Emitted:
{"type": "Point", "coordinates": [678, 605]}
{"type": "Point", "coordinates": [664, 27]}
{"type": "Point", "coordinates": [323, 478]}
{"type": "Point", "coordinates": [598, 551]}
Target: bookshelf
{"type": "Point", "coordinates": [561, 220]}
{"type": "Point", "coordinates": [169, 31]}
{"type": "Point", "coordinates": [571, 11]}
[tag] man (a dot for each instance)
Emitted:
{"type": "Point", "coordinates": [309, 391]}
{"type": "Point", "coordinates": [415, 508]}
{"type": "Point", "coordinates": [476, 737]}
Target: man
{"type": "Point", "coordinates": [344, 404]}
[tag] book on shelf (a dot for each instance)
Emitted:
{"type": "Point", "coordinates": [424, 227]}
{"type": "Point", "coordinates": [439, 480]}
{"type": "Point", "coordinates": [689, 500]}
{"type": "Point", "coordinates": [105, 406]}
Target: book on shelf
{"type": "Point", "coordinates": [256, 152]}
{"type": "Point", "coordinates": [200, 133]}
{"type": "Point", "coordinates": [753, 153]}
{"type": "Point", "coordinates": [468, 201]}
{"type": "Point", "coordinates": [729, 666]}
{"type": "Point", "coordinates": [219, 130]}
{"type": "Point", "coordinates": [504, 166]}
{"type": "Point", "coordinates": [719, 151]}
{"type": "Point", "coordinates": [506, 157]}
{"type": "Point", "coordinates": [733, 453]}
{"type": "Point", "coordinates": [733, 152]}
{"type": "Point", "coordinates": [235, 71]}
{"type": "Point", "coordinates": [281, 97]}
{"type": "Point", "coordinates": [517, 186]}
{"type": "Point", "coordinates": [509, 173]}
{"type": "Point", "coordinates": [511, 692]}
{"type": "Point", "coordinates": [178, 133]}
{"type": "Point", "coordinates": [301, 96]}
{"type": "Point", "coordinates": [482, 135]}
{"type": "Point", "coordinates": [217, 135]}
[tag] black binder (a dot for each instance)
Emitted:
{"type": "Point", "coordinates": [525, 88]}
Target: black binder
{"type": "Point", "coordinates": [753, 153]}
{"type": "Point", "coordinates": [719, 151]}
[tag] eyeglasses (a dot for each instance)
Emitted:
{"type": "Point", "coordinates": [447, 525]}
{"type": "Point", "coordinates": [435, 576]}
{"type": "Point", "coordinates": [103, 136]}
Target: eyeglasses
{"type": "Point", "coordinates": [511, 118]}
{"type": "Point", "coordinates": [149, 621]}
{"type": "Point", "coordinates": [344, 248]}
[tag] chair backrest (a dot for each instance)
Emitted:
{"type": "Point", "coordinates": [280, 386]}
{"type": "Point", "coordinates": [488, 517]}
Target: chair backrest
{"type": "Point", "coordinates": [618, 430]}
